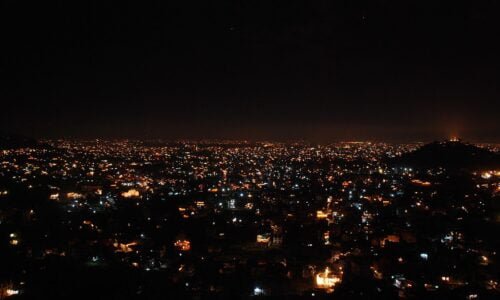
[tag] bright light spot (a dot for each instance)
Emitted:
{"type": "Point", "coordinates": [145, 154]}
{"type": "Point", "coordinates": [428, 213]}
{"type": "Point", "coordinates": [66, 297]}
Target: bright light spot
{"type": "Point", "coordinates": [257, 291]}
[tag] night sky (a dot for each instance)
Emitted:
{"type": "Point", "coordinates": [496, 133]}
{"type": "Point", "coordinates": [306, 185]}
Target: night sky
{"type": "Point", "coordinates": [322, 70]}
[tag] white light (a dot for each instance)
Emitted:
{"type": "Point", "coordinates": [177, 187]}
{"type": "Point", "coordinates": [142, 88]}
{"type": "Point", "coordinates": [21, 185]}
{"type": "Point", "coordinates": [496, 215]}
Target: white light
{"type": "Point", "coordinates": [11, 292]}
{"type": "Point", "coordinates": [258, 291]}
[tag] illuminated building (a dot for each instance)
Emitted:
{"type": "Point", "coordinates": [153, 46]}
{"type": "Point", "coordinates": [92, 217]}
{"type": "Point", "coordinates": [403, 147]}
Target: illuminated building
{"type": "Point", "coordinates": [132, 193]}
{"type": "Point", "coordinates": [263, 238]}
{"type": "Point", "coordinates": [327, 279]}
{"type": "Point", "coordinates": [183, 245]}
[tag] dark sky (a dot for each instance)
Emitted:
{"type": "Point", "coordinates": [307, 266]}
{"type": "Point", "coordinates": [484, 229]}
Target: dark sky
{"type": "Point", "coordinates": [260, 69]}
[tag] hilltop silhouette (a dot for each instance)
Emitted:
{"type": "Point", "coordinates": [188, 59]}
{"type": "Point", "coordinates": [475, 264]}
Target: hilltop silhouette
{"type": "Point", "coordinates": [450, 155]}
{"type": "Point", "coordinates": [10, 141]}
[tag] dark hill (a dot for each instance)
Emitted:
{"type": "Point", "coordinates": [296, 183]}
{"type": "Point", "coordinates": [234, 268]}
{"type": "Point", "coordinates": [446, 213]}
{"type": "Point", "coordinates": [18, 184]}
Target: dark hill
{"type": "Point", "coordinates": [17, 142]}
{"type": "Point", "coordinates": [450, 155]}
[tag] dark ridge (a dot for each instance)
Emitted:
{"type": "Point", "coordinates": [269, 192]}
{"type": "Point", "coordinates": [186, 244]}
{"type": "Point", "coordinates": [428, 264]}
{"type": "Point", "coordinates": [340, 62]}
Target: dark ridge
{"type": "Point", "coordinates": [17, 142]}
{"type": "Point", "coordinates": [450, 155]}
